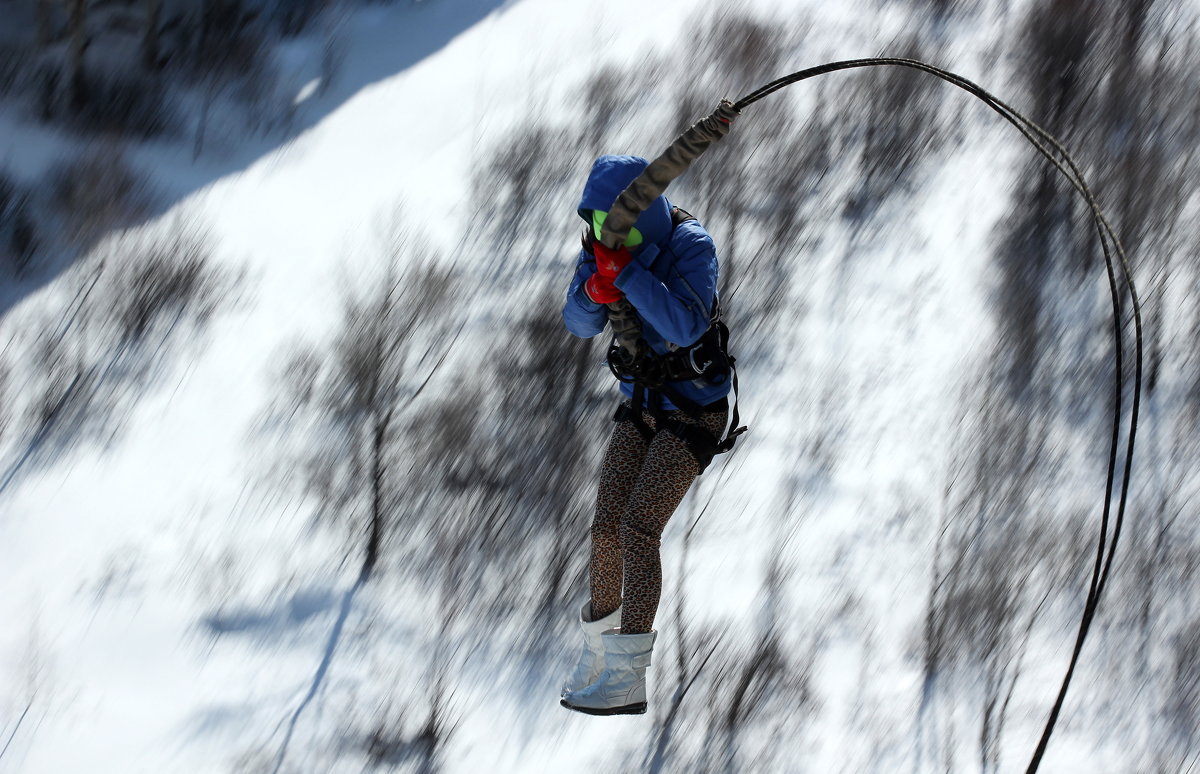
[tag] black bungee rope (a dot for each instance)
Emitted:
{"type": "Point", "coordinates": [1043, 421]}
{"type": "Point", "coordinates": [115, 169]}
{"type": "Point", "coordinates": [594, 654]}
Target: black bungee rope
{"type": "Point", "coordinates": [679, 155]}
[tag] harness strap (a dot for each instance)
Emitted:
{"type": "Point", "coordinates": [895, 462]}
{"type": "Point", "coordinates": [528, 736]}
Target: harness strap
{"type": "Point", "coordinates": [650, 385]}
{"type": "Point", "coordinates": [702, 444]}
{"type": "Point", "coordinates": [635, 412]}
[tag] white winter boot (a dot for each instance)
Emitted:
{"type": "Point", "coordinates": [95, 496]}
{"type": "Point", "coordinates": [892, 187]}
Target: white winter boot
{"type": "Point", "coordinates": [591, 659]}
{"type": "Point", "coordinates": [621, 687]}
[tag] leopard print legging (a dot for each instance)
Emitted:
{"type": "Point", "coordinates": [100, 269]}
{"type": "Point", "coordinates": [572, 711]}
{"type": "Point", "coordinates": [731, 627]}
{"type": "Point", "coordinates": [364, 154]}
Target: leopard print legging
{"type": "Point", "coordinates": [641, 484]}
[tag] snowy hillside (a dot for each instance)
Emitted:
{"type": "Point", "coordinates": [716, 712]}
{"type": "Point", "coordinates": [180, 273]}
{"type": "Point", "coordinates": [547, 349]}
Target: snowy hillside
{"type": "Point", "coordinates": [354, 310]}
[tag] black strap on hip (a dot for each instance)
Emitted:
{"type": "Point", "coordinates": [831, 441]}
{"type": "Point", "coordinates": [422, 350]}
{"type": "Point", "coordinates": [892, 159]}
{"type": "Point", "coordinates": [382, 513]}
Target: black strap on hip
{"type": "Point", "coordinates": [702, 444]}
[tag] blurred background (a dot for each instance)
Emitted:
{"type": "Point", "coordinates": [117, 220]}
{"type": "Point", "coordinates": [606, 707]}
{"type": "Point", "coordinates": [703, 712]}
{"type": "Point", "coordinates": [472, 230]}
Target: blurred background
{"type": "Point", "coordinates": [297, 460]}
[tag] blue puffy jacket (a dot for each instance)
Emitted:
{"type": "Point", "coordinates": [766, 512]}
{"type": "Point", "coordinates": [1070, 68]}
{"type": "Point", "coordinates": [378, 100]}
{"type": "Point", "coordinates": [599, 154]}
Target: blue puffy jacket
{"type": "Point", "coordinates": [671, 281]}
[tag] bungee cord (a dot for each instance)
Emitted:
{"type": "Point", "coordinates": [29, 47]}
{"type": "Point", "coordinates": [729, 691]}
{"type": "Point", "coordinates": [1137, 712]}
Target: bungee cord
{"type": "Point", "coordinates": [686, 148]}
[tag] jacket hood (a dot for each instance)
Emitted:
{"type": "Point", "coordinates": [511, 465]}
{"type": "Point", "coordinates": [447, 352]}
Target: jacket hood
{"type": "Point", "coordinates": [610, 176]}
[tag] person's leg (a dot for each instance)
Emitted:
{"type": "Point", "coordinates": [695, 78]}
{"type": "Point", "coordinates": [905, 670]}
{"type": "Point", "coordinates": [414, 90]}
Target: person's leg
{"type": "Point", "coordinates": [622, 463]}
{"type": "Point", "coordinates": [667, 473]}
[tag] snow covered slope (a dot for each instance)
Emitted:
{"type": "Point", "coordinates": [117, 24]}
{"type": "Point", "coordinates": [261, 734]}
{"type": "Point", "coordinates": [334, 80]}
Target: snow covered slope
{"type": "Point", "coordinates": [168, 610]}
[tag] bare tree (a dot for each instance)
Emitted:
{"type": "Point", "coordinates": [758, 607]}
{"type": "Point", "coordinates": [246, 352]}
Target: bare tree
{"type": "Point", "coordinates": [357, 390]}
{"type": "Point", "coordinates": [541, 458]}
{"type": "Point", "coordinates": [150, 36]}
{"type": "Point", "coordinates": [1110, 81]}
{"type": "Point", "coordinates": [737, 51]}
{"type": "Point", "coordinates": [896, 126]}
{"type": "Point", "coordinates": [522, 188]}
{"type": "Point", "coordinates": [135, 304]}
{"type": "Point", "coordinates": [77, 26]}
{"type": "Point", "coordinates": [18, 234]}
{"type": "Point", "coordinates": [1003, 558]}
{"type": "Point", "coordinates": [96, 192]}
{"type": "Point", "coordinates": [44, 11]}
{"type": "Point", "coordinates": [607, 102]}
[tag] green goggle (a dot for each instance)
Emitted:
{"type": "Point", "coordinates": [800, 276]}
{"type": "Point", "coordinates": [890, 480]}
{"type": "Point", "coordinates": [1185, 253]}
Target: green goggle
{"type": "Point", "coordinates": [599, 216]}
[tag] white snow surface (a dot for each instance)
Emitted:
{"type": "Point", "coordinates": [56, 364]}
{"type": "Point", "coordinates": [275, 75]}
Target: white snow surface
{"type": "Point", "coordinates": [114, 560]}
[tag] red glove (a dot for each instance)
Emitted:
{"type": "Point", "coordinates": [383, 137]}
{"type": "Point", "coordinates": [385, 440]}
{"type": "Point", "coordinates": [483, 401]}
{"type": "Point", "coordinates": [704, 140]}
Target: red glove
{"type": "Point", "coordinates": [610, 262]}
{"type": "Point", "coordinates": [600, 289]}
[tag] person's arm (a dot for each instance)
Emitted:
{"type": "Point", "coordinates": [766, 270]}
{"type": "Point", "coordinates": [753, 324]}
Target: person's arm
{"type": "Point", "coordinates": [583, 317]}
{"type": "Point", "coordinates": [681, 308]}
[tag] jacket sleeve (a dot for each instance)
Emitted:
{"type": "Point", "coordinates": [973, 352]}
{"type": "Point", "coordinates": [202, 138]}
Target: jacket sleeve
{"type": "Point", "coordinates": [583, 317]}
{"type": "Point", "coordinates": [681, 308]}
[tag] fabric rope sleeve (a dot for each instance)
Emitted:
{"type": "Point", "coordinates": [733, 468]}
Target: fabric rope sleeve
{"type": "Point", "coordinates": [672, 163]}
{"type": "Point", "coordinates": [647, 187]}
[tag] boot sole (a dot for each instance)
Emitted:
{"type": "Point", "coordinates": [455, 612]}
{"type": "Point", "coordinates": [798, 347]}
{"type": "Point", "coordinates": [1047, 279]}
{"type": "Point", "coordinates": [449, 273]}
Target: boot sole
{"type": "Point", "coordinates": [628, 709]}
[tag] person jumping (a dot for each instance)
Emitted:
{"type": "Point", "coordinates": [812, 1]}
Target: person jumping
{"type": "Point", "coordinates": [674, 417]}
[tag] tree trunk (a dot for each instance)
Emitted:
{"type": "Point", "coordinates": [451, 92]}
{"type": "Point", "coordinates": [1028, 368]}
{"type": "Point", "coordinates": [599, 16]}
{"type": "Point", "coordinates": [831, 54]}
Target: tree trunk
{"type": "Point", "coordinates": [44, 32]}
{"type": "Point", "coordinates": [378, 507]}
{"type": "Point", "coordinates": [210, 89]}
{"type": "Point", "coordinates": [210, 76]}
{"type": "Point", "coordinates": [23, 243]}
{"type": "Point", "coordinates": [77, 27]}
{"type": "Point", "coordinates": [150, 39]}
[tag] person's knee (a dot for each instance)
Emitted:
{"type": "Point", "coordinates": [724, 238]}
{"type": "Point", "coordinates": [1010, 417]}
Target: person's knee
{"type": "Point", "coordinates": [606, 530]}
{"type": "Point", "coordinates": [637, 532]}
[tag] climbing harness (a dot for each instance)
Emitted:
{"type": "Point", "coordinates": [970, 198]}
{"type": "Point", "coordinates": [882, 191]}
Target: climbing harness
{"type": "Point", "coordinates": [702, 444]}
{"type": "Point", "coordinates": [675, 160]}
{"type": "Point", "coordinates": [705, 362]}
